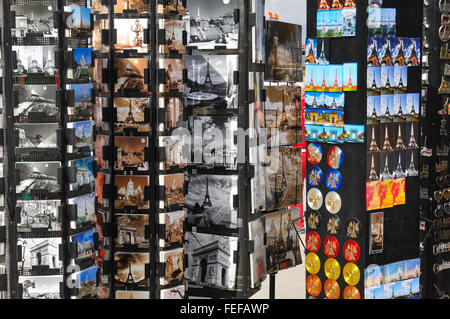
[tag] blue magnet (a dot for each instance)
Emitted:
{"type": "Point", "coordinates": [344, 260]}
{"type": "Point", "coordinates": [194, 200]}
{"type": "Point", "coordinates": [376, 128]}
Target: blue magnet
{"type": "Point", "coordinates": [315, 176]}
{"type": "Point", "coordinates": [333, 179]}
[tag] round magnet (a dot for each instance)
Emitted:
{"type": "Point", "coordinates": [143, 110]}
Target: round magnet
{"type": "Point", "coordinates": [313, 220]}
{"type": "Point", "coordinates": [333, 202]}
{"type": "Point", "coordinates": [332, 289]}
{"type": "Point", "coordinates": [351, 251]}
{"type": "Point", "coordinates": [351, 274]}
{"type": "Point", "coordinates": [350, 292]}
{"type": "Point", "coordinates": [332, 269]}
{"type": "Point", "coordinates": [331, 247]}
{"type": "Point", "coordinates": [314, 198]}
{"type": "Point", "coordinates": [314, 153]}
{"type": "Point", "coordinates": [315, 176]}
{"type": "Point", "coordinates": [313, 285]}
{"type": "Point", "coordinates": [335, 157]}
{"type": "Point", "coordinates": [333, 225]}
{"type": "Point", "coordinates": [353, 228]}
{"type": "Point", "coordinates": [312, 263]}
{"type": "Point", "coordinates": [333, 179]}
{"type": "Point", "coordinates": [313, 241]}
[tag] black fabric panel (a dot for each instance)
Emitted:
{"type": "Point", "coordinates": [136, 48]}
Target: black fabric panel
{"type": "Point", "coordinates": [401, 234]}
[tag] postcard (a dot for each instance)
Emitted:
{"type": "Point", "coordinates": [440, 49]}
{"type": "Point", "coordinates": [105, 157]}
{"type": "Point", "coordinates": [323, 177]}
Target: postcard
{"type": "Point", "coordinates": [177, 292]}
{"type": "Point", "coordinates": [174, 266]}
{"type": "Point", "coordinates": [374, 80]}
{"type": "Point", "coordinates": [85, 206]}
{"type": "Point", "coordinates": [38, 253]}
{"type": "Point", "coordinates": [35, 100]}
{"type": "Point", "coordinates": [401, 77]}
{"type": "Point", "coordinates": [210, 81]}
{"type": "Point", "coordinates": [258, 261]}
{"type": "Point", "coordinates": [333, 77]}
{"type": "Point", "coordinates": [374, 45]}
{"type": "Point", "coordinates": [85, 247]}
{"type": "Point", "coordinates": [173, 229]}
{"type": "Point", "coordinates": [174, 30]}
{"type": "Point", "coordinates": [373, 276]}
{"type": "Point", "coordinates": [350, 77]}
{"type": "Point", "coordinates": [376, 238]}
{"type": "Point", "coordinates": [282, 114]}
{"type": "Point", "coordinates": [209, 201]}
{"type": "Point", "coordinates": [174, 185]}
{"type": "Point", "coordinates": [132, 294]}
{"type": "Point", "coordinates": [40, 287]}
{"type": "Point", "coordinates": [38, 215]}
{"type": "Point", "coordinates": [131, 114]}
{"type": "Point", "coordinates": [138, 6]}
{"type": "Point", "coordinates": [83, 136]}
{"type": "Point", "coordinates": [38, 177]}
{"type": "Point", "coordinates": [130, 75]}
{"type": "Point", "coordinates": [174, 111]}
{"type": "Point", "coordinates": [212, 24]}
{"type": "Point", "coordinates": [130, 191]}
{"type": "Point", "coordinates": [349, 21]}
{"type": "Point", "coordinates": [284, 59]}
{"type": "Point", "coordinates": [413, 53]}
{"type": "Point", "coordinates": [131, 152]}
{"type": "Point", "coordinates": [205, 274]}
{"type": "Point", "coordinates": [82, 59]}
{"type": "Point", "coordinates": [173, 75]}
{"type": "Point", "coordinates": [35, 60]}
{"type": "Point", "coordinates": [34, 19]}
{"type": "Point", "coordinates": [84, 173]}
{"type": "Point", "coordinates": [131, 230]}
{"type": "Point", "coordinates": [99, 25]}
{"type": "Point", "coordinates": [174, 158]}
{"type": "Point", "coordinates": [87, 280]}
{"type": "Point", "coordinates": [355, 133]}
{"type": "Point", "coordinates": [35, 136]}
{"type": "Point", "coordinates": [131, 270]}
{"type": "Point", "coordinates": [81, 21]}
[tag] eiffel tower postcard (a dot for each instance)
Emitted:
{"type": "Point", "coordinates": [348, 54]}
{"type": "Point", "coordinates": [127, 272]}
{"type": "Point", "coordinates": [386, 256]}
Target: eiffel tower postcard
{"type": "Point", "coordinates": [137, 6]}
{"type": "Point", "coordinates": [350, 77]}
{"type": "Point", "coordinates": [132, 270]}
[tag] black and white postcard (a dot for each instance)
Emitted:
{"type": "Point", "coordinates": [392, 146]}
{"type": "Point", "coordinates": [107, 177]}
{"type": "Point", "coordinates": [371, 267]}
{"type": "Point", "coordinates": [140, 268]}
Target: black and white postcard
{"type": "Point", "coordinates": [38, 176]}
{"type": "Point", "coordinates": [37, 100]}
{"type": "Point", "coordinates": [40, 287]}
{"type": "Point", "coordinates": [210, 81]}
{"type": "Point", "coordinates": [38, 214]}
{"type": "Point", "coordinates": [212, 24]}
{"type": "Point", "coordinates": [210, 260]}
{"type": "Point", "coordinates": [209, 201]}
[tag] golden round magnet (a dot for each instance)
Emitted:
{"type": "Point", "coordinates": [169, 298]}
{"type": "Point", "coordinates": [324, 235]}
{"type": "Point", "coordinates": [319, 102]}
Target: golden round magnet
{"type": "Point", "coordinates": [313, 285]}
{"type": "Point", "coordinates": [351, 274]}
{"type": "Point", "coordinates": [314, 219]}
{"type": "Point", "coordinates": [333, 202]}
{"type": "Point", "coordinates": [332, 269]}
{"type": "Point", "coordinates": [314, 153]}
{"type": "Point", "coordinates": [351, 292]}
{"type": "Point", "coordinates": [312, 263]}
{"type": "Point", "coordinates": [332, 289]}
{"type": "Point", "coordinates": [314, 198]}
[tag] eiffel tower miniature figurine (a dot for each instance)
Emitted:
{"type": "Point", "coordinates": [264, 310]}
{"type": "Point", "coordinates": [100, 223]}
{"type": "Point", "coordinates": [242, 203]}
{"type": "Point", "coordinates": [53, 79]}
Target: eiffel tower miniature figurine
{"type": "Point", "coordinates": [400, 145]}
{"type": "Point", "coordinates": [207, 200]}
{"type": "Point", "coordinates": [387, 145]}
{"type": "Point", "coordinates": [398, 172]}
{"type": "Point", "coordinates": [322, 58]}
{"type": "Point", "coordinates": [130, 279]}
{"type": "Point", "coordinates": [373, 176]}
{"type": "Point", "coordinates": [323, 5]}
{"type": "Point", "coordinates": [385, 174]}
{"type": "Point", "coordinates": [412, 140]}
{"type": "Point", "coordinates": [373, 143]}
{"type": "Point", "coordinates": [411, 170]}
{"type": "Point", "coordinates": [387, 59]}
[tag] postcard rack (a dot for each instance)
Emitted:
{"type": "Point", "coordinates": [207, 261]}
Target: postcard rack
{"type": "Point", "coordinates": [434, 154]}
{"type": "Point", "coordinates": [109, 192]}
{"type": "Point", "coordinates": [342, 251]}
